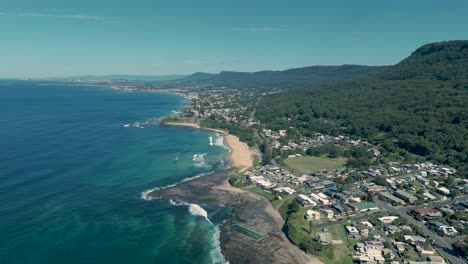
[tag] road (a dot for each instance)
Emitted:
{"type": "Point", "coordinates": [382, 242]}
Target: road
{"type": "Point", "coordinates": [442, 243]}
{"type": "Point", "coordinates": [438, 204]}
{"type": "Point", "coordinates": [256, 135]}
{"type": "Point", "coordinates": [397, 255]}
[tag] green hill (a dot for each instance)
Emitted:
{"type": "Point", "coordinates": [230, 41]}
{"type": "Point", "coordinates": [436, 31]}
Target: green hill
{"type": "Point", "coordinates": [418, 105]}
{"type": "Point", "coordinates": [291, 78]}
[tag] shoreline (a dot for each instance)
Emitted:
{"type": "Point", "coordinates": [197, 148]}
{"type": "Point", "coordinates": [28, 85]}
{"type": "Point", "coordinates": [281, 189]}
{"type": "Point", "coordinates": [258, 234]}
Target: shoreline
{"type": "Point", "coordinates": [250, 209]}
{"type": "Point", "coordinates": [240, 155]}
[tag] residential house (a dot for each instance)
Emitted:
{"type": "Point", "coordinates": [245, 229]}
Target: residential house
{"type": "Point", "coordinates": [424, 248]}
{"type": "Point", "coordinates": [388, 219]}
{"type": "Point", "coordinates": [312, 215]}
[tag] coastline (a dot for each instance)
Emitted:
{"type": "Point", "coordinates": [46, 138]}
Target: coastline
{"type": "Point", "coordinates": [240, 156]}
{"type": "Point", "coordinates": [250, 209]}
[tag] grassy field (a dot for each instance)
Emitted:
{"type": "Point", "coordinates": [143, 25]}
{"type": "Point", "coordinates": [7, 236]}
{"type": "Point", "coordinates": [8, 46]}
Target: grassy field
{"type": "Point", "coordinates": [311, 163]}
{"type": "Point", "coordinates": [342, 252]}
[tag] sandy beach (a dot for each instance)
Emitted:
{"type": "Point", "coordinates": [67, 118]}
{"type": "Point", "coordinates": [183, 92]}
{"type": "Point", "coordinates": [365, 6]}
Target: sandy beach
{"type": "Point", "coordinates": [251, 209]}
{"type": "Point", "coordinates": [241, 156]}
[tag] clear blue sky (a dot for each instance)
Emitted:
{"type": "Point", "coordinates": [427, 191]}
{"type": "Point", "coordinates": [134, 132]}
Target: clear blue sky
{"type": "Point", "coordinates": [44, 38]}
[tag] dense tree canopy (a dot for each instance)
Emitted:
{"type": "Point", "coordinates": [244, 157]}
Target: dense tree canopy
{"type": "Point", "coordinates": [408, 107]}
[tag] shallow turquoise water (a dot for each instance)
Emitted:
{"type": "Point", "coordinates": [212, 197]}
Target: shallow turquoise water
{"type": "Point", "coordinates": [71, 176]}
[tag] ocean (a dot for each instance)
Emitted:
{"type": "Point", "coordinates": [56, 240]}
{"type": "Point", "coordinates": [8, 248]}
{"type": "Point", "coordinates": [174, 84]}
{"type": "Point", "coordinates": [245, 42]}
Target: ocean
{"type": "Point", "coordinates": [74, 162]}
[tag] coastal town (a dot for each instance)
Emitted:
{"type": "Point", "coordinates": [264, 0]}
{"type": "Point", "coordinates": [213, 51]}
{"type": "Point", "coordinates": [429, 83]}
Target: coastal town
{"type": "Point", "coordinates": [234, 132]}
{"type": "Point", "coordinates": [380, 212]}
{"type": "Point", "coordinates": [342, 199]}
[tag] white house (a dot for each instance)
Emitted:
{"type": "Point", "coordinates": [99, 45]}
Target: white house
{"type": "Point", "coordinates": [388, 219]}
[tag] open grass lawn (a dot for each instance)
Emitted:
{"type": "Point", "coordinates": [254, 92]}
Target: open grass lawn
{"type": "Point", "coordinates": [342, 253]}
{"type": "Point", "coordinates": [263, 193]}
{"type": "Point", "coordinates": [311, 163]}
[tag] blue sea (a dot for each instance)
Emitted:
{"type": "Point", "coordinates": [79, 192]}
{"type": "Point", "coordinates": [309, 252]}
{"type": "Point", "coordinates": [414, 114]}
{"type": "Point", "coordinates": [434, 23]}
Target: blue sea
{"type": "Point", "coordinates": [74, 161]}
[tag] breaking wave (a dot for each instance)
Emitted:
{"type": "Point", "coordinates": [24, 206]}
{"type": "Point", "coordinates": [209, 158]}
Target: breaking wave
{"type": "Point", "coordinates": [145, 194]}
{"type": "Point", "coordinates": [195, 209]}
{"type": "Point", "coordinates": [219, 141]}
{"type": "Point", "coordinates": [143, 124]}
{"type": "Point", "coordinates": [199, 160]}
{"type": "Point", "coordinates": [216, 255]}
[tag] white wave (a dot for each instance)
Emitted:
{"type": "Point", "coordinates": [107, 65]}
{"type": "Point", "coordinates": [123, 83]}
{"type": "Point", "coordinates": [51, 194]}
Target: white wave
{"type": "Point", "coordinates": [177, 203]}
{"type": "Point", "coordinates": [211, 141]}
{"type": "Point", "coordinates": [199, 160]}
{"type": "Point", "coordinates": [199, 157]}
{"type": "Point", "coordinates": [145, 194]}
{"type": "Point", "coordinates": [219, 141]}
{"type": "Point", "coordinates": [143, 124]}
{"type": "Point", "coordinates": [215, 253]}
{"type": "Point", "coordinates": [196, 209]}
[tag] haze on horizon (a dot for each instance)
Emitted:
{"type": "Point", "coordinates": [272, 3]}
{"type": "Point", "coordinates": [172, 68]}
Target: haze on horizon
{"type": "Point", "coordinates": [52, 38]}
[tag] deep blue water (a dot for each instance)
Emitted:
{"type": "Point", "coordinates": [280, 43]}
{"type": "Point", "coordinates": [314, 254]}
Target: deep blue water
{"type": "Point", "coordinates": [71, 177]}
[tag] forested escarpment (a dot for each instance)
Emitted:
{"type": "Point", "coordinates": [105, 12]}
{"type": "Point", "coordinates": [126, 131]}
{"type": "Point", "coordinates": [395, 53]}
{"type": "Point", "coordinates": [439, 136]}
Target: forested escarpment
{"type": "Point", "coordinates": [287, 79]}
{"type": "Point", "coordinates": [418, 105]}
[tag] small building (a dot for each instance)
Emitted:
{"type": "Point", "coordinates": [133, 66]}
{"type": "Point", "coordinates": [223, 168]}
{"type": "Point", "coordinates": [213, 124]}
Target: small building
{"type": "Point", "coordinates": [421, 212]}
{"type": "Point", "coordinates": [374, 188]}
{"type": "Point", "coordinates": [422, 180]}
{"type": "Point", "coordinates": [407, 197]}
{"type": "Point", "coordinates": [305, 201]}
{"type": "Point", "coordinates": [436, 260]}
{"type": "Point", "coordinates": [387, 219]}
{"type": "Point", "coordinates": [363, 230]}
{"type": "Point", "coordinates": [428, 195]}
{"type": "Point", "coordinates": [392, 229]}
{"type": "Point", "coordinates": [312, 215]}
{"type": "Point", "coordinates": [287, 190]}
{"type": "Point", "coordinates": [367, 206]}
{"type": "Point", "coordinates": [340, 208]}
{"type": "Point", "coordinates": [352, 231]}
{"type": "Point", "coordinates": [391, 199]}
{"type": "Point", "coordinates": [319, 198]}
{"type": "Point", "coordinates": [424, 248]}
{"type": "Point", "coordinates": [443, 191]}
{"type": "Point", "coordinates": [447, 230]}
{"type": "Point", "coordinates": [327, 213]}
{"type": "Point", "coordinates": [328, 184]}
{"type": "Point", "coordinates": [400, 246]}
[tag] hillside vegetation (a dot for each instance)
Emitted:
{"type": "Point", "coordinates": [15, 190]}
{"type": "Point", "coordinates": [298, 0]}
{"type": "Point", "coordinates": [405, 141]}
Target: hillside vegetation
{"type": "Point", "coordinates": [417, 106]}
{"type": "Point", "coordinates": [291, 78]}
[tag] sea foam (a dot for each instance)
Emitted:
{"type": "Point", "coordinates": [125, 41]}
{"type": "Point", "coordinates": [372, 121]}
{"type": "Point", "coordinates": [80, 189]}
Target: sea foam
{"type": "Point", "coordinates": [215, 253]}
{"type": "Point", "coordinates": [199, 160]}
{"type": "Point", "coordinates": [145, 195]}
{"type": "Point", "coordinates": [219, 141]}
{"type": "Point", "coordinates": [194, 209]}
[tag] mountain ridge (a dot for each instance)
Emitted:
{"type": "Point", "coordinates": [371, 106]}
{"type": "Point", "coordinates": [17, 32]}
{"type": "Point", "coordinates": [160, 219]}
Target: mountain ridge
{"type": "Point", "coordinates": [294, 77]}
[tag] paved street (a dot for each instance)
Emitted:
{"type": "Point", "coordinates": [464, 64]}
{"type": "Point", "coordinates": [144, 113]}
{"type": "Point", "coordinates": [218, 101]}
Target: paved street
{"type": "Point", "coordinates": [442, 243]}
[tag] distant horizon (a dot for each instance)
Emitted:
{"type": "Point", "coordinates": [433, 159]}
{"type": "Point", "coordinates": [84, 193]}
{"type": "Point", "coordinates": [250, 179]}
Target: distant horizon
{"type": "Point", "coordinates": [172, 74]}
{"type": "Point", "coordinates": [54, 39]}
